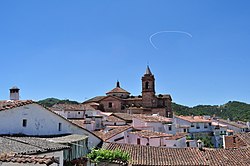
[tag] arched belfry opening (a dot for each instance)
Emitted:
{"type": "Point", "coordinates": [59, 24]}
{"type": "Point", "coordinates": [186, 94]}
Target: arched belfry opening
{"type": "Point", "coordinates": [147, 85]}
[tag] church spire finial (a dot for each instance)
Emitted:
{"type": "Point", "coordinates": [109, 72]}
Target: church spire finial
{"type": "Point", "coordinates": [118, 84]}
{"type": "Point", "coordinates": [148, 71]}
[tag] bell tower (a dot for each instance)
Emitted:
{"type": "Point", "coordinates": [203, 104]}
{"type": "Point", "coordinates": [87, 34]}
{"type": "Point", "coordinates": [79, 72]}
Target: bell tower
{"type": "Point", "coordinates": [148, 89]}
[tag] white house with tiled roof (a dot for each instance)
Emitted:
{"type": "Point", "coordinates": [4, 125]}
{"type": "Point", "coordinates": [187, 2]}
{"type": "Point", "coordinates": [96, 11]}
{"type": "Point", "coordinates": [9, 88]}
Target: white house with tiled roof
{"type": "Point", "coordinates": [195, 124]}
{"type": "Point", "coordinates": [29, 118]}
{"type": "Point", "coordinates": [154, 123]}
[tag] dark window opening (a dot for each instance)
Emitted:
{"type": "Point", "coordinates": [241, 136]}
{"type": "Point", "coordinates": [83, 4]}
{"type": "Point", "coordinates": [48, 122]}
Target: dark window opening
{"type": "Point", "coordinates": [188, 144]}
{"type": "Point", "coordinates": [147, 144]}
{"type": "Point", "coordinates": [59, 126]}
{"type": "Point", "coordinates": [118, 139]}
{"type": "Point", "coordinates": [24, 122]}
{"type": "Point", "coordinates": [185, 130]}
{"type": "Point", "coordinates": [147, 85]}
{"type": "Point", "coordinates": [169, 128]}
{"type": "Point", "coordinates": [79, 112]}
{"type": "Point", "coordinates": [138, 141]}
{"type": "Point", "coordinates": [110, 105]}
{"type": "Point", "coordinates": [234, 140]}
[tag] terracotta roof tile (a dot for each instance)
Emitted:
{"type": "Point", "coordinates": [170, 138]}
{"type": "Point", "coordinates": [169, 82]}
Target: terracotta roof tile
{"type": "Point", "coordinates": [71, 107]}
{"type": "Point", "coordinates": [150, 134]}
{"type": "Point", "coordinates": [22, 159]}
{"type": "Point", "coordinates": [118, 90]}
{"type": "Point", "coordinates": [114, 119]}
{"type": "Point", "coordinates": [195, 119]}
{"type": "Point", "coordinates": [245, 137]}
{"type": "Point", "coordinates": [124, 116]}
{"type": "Point", "coordinates": [233, 123]}
{"type": "Point", "coordinates": [149, 155]}
{"type": "Point", "coordinates": [112, 132]}
{"type": "Point", "coordinates": [94, 99]}
{"type": "Point", "coordinates": [9, 104]}
{"type": "Point", "coordinates": [146, 118]}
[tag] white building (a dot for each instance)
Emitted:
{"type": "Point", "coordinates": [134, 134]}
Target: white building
{"type": "Point", "coordinates": [237, 127]}
{"type": "Point", "coordinates": [193, 124]}
{"type": "Point", "coordinates": [29, 118]}
{"type": "Point", "coordinates": [32, 146]}
{"type": "Point", "coordinates": [157, 139]}
{"type": "Point", "coordinates": [153, 123]}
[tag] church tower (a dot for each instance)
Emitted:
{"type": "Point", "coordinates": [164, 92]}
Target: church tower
{"type": "Point", "coordinates": [148, 89]}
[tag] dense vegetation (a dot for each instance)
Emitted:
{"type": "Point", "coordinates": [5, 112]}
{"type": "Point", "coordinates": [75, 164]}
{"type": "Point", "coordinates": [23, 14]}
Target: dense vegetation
{"type": "Point", "coordinates": [233, 110]}
{"type": "Point", "coordinates": [108, 155]}
{"type": "Point", "coordinates": [49, 102]}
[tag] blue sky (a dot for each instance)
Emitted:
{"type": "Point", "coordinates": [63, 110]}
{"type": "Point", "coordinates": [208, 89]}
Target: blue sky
{"type": "Point", "coordinates": [78, 49]}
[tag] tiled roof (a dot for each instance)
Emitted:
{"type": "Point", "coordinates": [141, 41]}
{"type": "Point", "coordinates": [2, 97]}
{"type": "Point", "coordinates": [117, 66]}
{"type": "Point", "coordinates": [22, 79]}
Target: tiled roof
{"type": "Point", "coordinates": [61, 107]}
{"type": "Point", "coordinates": [150, 134]}
{"type": "Point", "coordinates": [137, 98]}
{"type": "Point", "coordinates": [124, 116]}
{"type": "Point", "coordinates": [80, 122]}
{"type": "Point", "coordinates": [28, 145]}
{"type": "Point", "coordinates": [236, 124]}
{"type": "Point", "coordinates": [167, 96]}
{"type": "Point", "coordinates": [94, 99]}
{"type": "Point", "coordinates": [228, 157]}
{"type": "Point", "coordinates": [195, 119]}
{"type": "Point", "coordinates": [114, 119]}
{"type": "Point", "coordinates": [9, 104]}
{"type": "Point", "coordinates": [147, 118]}
{"type": "Point", "coordinates": [245, 137]}
{"type": "Point", "coordinates": [149, 155]}
{"type": "Point", "coordinates": [67, 138]}
{"type": "Point", "coordinates": [26, 159]}
{"type": "Point", "coordinates": [111, 133]}
{"type": "Point", "coordinates": [118, 90]}
{"type": "Point", "coordinates": [177, 136]}
{"type": "Point", "coordinates": [72, 107]}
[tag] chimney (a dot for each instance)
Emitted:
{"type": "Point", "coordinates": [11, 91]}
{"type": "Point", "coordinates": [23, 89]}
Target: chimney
{"type": "Point", "coordinates": [200, 144]}
{"type": "Point", "coordinates": [14, 93]}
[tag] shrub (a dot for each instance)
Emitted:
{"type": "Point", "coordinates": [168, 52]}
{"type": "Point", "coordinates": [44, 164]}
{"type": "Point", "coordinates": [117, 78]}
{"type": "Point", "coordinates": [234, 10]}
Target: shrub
{"type": "Point", "coordinates": [108, 155]}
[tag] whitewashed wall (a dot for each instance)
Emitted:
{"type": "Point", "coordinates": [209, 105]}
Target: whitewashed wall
{"type": "Point", "coordinates": [179, 143]}
{"type": "Point", "coordinates": [178, 121]}
{"type": "Point", "coordinates": [40, 121]}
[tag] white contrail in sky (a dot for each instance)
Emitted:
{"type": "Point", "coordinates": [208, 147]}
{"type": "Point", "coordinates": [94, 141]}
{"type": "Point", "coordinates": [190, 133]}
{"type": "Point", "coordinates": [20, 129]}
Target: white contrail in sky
{"type": "Point", "coordinates": [156, 33]}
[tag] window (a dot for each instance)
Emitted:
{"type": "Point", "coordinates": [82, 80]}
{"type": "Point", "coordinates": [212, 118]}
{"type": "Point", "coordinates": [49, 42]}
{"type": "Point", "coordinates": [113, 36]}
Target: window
{"type": "Point", "coordinates": [192, 125]}
{"type": "Point", "coordinates": [209, 124]}
{"type": "Point", "coordinates": [169, 127]}
{"type": "Point", "coordinates": [188, 144]}
{"type": "Point", "coordinates": [60, 127]}
{"type": "Point", "coordinates": [147, 85]}
{"type": "Point", "coordinates": [185, 130]}
{"type": "Point", "coordinates": [79, 112]}
{"type": "Point", "coordinates": [110, 105]}
{"type": "Point", "coordinates": [234, 140]}
{"type": "Point", "coordinates": [24, 122]}
{"type": "Point", "coordinates": [197, 126]}
{"type": "Point", "coordinates": [138, 141]}
{"type": "Point", "coordinates": [205, 125]}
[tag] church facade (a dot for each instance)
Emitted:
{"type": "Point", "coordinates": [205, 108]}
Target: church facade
{"type": "Point", "coordinates": [120, 100]}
